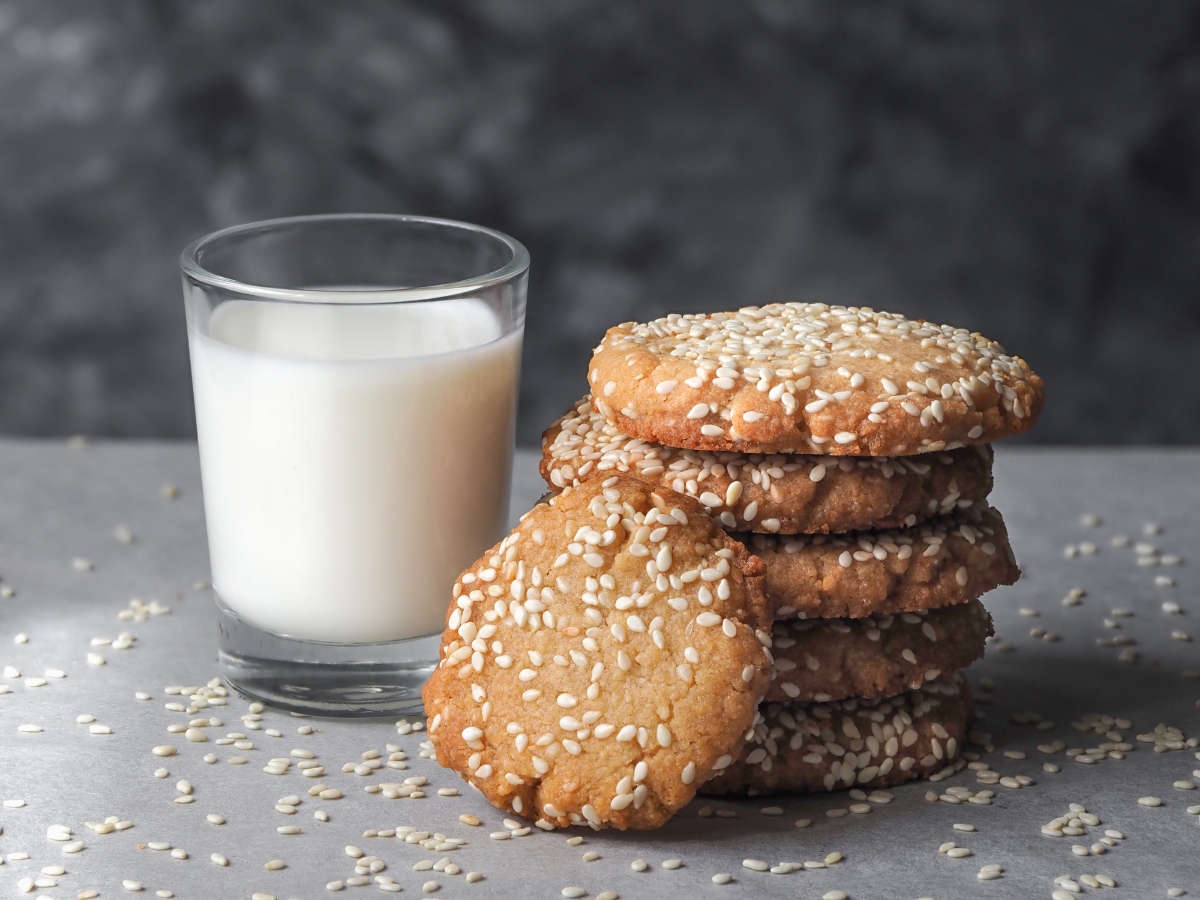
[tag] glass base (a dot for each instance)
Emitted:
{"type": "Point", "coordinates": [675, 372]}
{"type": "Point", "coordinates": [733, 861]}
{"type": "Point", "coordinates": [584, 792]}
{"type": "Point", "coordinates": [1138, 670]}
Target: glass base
{"type": "Point", "coordinates": [324, 679]}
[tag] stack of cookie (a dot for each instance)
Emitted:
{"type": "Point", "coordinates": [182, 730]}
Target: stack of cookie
{"type": "Point", "coordinates": [848, 450]}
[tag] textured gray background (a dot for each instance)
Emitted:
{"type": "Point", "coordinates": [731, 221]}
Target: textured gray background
{"type": "Point", "coordinates": [1029, 169]}
{"type": "Point", "coordinates": [61, 503]}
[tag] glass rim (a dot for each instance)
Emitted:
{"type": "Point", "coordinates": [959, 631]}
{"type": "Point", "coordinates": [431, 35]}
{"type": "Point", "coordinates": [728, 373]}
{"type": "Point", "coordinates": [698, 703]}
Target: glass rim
{"type": "Point", "coordinates": [191, 267]}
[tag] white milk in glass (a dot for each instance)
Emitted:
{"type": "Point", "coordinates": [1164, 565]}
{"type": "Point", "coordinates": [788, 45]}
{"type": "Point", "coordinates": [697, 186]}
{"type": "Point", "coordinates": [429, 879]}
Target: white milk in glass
{"type": "Point", "coordinates": [355, 459]}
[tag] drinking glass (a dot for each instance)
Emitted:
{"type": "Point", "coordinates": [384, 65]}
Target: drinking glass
{"type": "Point", "coordinates": [355, 380]}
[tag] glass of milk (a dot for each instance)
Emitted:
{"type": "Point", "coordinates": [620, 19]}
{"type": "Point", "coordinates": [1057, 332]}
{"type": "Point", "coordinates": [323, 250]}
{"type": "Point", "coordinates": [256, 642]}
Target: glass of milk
{"type": "Point", "coordinates": [355, 379]}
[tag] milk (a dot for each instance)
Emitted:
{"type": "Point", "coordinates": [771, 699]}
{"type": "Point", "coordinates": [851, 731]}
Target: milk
{"type": "Point", "coordinates": [355, 459]}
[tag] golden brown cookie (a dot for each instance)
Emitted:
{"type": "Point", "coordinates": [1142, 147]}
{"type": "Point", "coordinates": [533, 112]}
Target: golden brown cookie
{"type": "Point", "coordinates": [944, 561]}
{"type": "Point", "coordinates": [810, 378]}
{"type": "Point", "coordinates": [603, 660]}
{"type": "Point", "coordinates": [876, 656]}
{"type": "Point", "coordinates": [814, 747]}
{"type": "Point", "coordinates": [785, 494]}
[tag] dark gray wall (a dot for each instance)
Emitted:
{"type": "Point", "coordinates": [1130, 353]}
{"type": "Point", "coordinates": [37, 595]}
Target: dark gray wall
{"type": "Point", "coordinates": [1030, 169]}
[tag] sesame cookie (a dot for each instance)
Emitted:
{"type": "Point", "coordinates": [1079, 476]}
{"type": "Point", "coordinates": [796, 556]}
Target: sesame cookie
{"type": "Point", "coordinates": [876, 656]}
{"type": "Point", "coordinates": [810, 378]}
{"type": "Point", "coordinates": [603, 660]}
{"type": "Point", "coordinates": [785, 494]}
{"type": "Point", "coordinates": [949, 560]}
{"type": "Point", "coordinates": [814, 747]}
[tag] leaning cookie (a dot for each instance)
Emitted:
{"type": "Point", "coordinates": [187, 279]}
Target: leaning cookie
{"type": "Point", "coordinates": [810, 378]}
{"type": "Point", "coordinates": [603, 660]}
{"type": "Point", "coordinates": [876, 656]}
{"type": "Point", "coordinates": [810, 748]}
{"type": "Point", "coordinates": [942, 562]}
{"type": "Point", "coordinates": [784, 494]}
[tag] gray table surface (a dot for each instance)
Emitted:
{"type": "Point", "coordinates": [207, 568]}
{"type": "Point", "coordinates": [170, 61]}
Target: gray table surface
{"type": "Point", "coordinates": [59, 504]}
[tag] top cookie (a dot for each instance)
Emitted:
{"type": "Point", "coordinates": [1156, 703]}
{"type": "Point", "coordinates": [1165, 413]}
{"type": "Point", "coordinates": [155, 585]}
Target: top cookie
{"type": "Point", "coordinates": [603, 660]}
{"type": "Point", "coordinates": [811, 378]}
